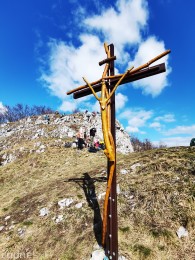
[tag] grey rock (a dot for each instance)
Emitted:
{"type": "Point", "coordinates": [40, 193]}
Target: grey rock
{"type": "Point", "coordinates": [182, 232]}
{"type": "Point", "coordinates": [65, 202]}
{"type": "Point", "coordinates": [1, 228]}
{"type": "Point", "coordinates": [134, 166]}
{"type": "Point", "coordinates": [123, 171]}
{"type": "Point", "coordinates": [44, 212]}
{"type": "Point", "coordinates": [7, 218]}
{"type": "Point", "coordinates": [21, 231]}
{"type": "Point", "coordinates": [79, 205]}
{"type": "Point", "coordinates": [98, 254]}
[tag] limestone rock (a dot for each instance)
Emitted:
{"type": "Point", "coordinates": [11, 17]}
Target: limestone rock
{"type": "Point", "coordinates": [1, 228]}
{"type": "Point", "coordinates": [67, 126]}
{"type": "Point", "coordinates": [43, 212]}
{"type": "Point", "coordinates": [7, 218]}
{"type": "Point", "coordinates": [182, 232]}
{"type": "Point", "coordinates": [98, 255]}
{"type": "Point", "coordinates": [65, 203]}
{"type": "Point", "coordinates": [123, 171]}
{"type": "Point", "coordinates": [59, 219]}
{"type": "Point", "coordinates": [134, 166]}
{"type": "Point", "coordinates": [79, 205]}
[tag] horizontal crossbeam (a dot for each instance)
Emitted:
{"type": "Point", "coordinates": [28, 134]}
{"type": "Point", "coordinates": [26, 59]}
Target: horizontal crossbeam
{"type": "Point", "coordinates": [144, 73]}
{"type": "Point", "coordinates": [107, 60]}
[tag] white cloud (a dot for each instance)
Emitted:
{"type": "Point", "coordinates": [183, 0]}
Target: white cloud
{"type": "Point", "coordinates": [96, 107]}
{"type": "Point", "coordinates": [3, 109]}
{"type": "Point", "coordinates": [132, 129]}
{"type": "Point", "coordinates": [148, 50]}
{"type": "Point", "coordinates": [186, 130]}
{"type": "Point", "coordinates": [68, 106]}
{"type": "Point", "coordinates": [123, 23]}
{"type": "Point", "coordinates": [156, 125]}
{"type": "Point", "coordinates": [174, 141]}
{"type": "Point", "coordinates": [136, 119]}
{"type": "Point", "coordinates": [67, 66]}
{"type": "Point", "coordinates": [120, 101]}
{"type": "Point", "coordinates": [166, 118]}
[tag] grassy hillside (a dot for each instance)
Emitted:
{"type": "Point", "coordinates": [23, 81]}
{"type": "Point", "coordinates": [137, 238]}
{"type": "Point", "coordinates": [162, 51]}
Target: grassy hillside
{"type": "Point", "coordinates": [157, 196]}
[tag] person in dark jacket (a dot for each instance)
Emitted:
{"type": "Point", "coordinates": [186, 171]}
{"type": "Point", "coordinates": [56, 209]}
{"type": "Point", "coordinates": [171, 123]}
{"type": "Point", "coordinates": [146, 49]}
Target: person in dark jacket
{"type": "Point", "coordinates": [92, 135]}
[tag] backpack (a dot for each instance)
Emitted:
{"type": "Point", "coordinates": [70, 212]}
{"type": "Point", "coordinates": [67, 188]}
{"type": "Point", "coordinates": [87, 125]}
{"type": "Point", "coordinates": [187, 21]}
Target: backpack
{"type": "Point", "coordinates": [68, 145]}
{"type": "Point", "coordinates": [92, 149]}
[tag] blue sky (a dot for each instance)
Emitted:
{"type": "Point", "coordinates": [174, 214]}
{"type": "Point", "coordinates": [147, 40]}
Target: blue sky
{"type": "Point", "coordinates": [47, 46]}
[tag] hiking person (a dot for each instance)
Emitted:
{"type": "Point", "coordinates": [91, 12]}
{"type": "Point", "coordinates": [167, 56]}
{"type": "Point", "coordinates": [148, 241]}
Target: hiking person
{"type": "Point", "coordinates": [92, 135]}
{"type": "Point", "coordinates": [97, 145]}
{"type": "Point", "coordinates": [47, 118]}
{"type": "Point", "coordinates": [88, 115]}
{"type": "Point", "coordinates": [81, 143]}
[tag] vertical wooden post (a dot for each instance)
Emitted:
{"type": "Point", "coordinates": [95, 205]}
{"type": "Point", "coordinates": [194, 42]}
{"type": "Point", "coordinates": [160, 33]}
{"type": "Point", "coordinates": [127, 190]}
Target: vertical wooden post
{"type": "Point", "coordinates": [112, 228]}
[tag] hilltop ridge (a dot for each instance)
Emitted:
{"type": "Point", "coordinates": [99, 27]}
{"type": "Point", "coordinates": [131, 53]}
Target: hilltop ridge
{"type": "Point", "coordinates": [61, 127]}
{"type": "Point", "coordinates": [47, 213]}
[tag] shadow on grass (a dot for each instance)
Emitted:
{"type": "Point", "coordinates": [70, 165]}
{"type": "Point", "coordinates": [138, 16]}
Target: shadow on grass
{"type": "Point", "coordinates": [87, 184]}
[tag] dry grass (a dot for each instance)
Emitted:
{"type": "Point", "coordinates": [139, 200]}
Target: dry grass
{"type": "Point", "coordinates": [156, 198]}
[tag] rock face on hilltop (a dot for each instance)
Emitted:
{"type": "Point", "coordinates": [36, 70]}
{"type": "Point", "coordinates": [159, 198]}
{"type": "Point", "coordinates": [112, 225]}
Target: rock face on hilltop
{"type": "Point", "coordinates": [59, 127]}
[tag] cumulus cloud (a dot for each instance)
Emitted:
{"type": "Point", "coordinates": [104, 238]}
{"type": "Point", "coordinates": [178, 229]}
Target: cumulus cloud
{"type": "Point", "coordinates": [3, 109]}
{"type": "Point", "coordinates": [123, 24]}
{"type": "Point", "coordinates": [136, 119]}
{"type": "Point", "coordinates": [174, 141]}
{"type": "Point", "coordinates": [156, 125]}
{"type": "Point", "coordinates": [96, 107]}
{"type": "Point", "coordinates": [146, 51]}
{"type": "Point", "coordinates": [120, 101]}
{"type": "Point", "coordinates": [68, 64]}
{"type": "Point", "coordinates": [186, 130]}
{"type": "Point", "coordinates": [132, 129]}
{"type": "Point", "coordinates": [166, 118]}
{"type": "Point", "coordinates": [68, 106]}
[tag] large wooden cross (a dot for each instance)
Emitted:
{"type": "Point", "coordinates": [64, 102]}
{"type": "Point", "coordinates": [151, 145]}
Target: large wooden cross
{"type": "Point", "coordinates": [107, 84]}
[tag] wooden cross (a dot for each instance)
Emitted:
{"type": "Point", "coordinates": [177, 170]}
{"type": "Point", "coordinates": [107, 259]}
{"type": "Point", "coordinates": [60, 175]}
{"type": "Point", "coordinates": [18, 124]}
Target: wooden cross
{"type": "Point", "coordinates": [108, 85]}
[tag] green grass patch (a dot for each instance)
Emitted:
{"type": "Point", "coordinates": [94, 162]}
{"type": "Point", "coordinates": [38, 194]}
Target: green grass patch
{"type": "Point", "coordinates": [161, 233]}
{"type": "Point", "coordinates": [142, 250]}
{"type": "Point", "coordinates": [5, 209]}
{"type": "Point", "coordinates": [124, 229]}
{"type": "Point", "coordinates": [27, 223]}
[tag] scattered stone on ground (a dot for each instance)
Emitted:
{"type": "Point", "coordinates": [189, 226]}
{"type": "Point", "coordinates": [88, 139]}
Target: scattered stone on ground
{"type": "Point", "coordinates": [123, 171]}
{"type": "Point", "coordinates": [44, 212]}
{"type": "Point", "coordinates": [182, 232]}
{"type": "Point", "coordinates": [65, 202]}
{"type": "Point", "coordinates": [98, 254]}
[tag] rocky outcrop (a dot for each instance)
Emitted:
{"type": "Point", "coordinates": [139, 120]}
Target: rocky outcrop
{"type": "Point", "coordinates": [59, 127]}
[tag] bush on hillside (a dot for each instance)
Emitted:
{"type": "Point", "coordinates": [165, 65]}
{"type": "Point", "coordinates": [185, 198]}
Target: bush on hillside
{"type": "Point", "coordinates": [140, 146]}
{"type": "Point", "coordinates": [20, 111]}
{"type": "Point", "coordinates": [192, 142]}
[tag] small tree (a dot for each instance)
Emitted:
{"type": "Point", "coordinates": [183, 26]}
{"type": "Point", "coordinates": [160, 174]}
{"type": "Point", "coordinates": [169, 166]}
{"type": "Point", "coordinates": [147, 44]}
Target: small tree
{"type": "Point", "coordinates": [139, 146]}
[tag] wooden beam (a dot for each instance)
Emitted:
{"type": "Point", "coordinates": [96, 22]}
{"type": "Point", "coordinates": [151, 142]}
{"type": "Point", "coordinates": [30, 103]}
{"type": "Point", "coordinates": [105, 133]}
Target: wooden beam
{"type": "Point", "coordinates": [129, 78]}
